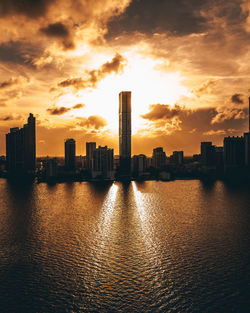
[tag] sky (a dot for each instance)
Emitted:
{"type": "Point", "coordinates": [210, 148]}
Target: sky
{"type": "Point", "coordinates": [65, 61]}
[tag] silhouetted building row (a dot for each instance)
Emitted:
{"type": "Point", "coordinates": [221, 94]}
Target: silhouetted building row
{"type": "Point", "coordinates": [21, 148]}
{"type": "Point", "coordinates": [100, 163]}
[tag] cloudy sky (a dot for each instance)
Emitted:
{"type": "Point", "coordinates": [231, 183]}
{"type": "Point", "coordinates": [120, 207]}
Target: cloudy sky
{"type": "Point", "coordinates": [186, 63]}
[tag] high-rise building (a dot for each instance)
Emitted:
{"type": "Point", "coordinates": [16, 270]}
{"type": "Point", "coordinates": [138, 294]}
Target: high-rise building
{"type": "Point", "coordinates": [247, 141]}
{"type": "Point", "coordinates": [159, 158]}
{"type": "Point", "coordinates": [90, 148]}
{"type": "Point", "coordinates": [51, 168]}
{"type": "Point", "coordinates": [21, 148]}
{"type": "Point", "coordinates": [207, 153]}
{"type": "Point", "coordinates": [70, 153]}
{"type": "Point", "coordinates": [125, 132]}
{"type": "Point", "coordinates": [234, 152]}
{"type": "Point", "coordinates": [103, 163]}
{"type": "Point", "coordinates": [177, 157]}
{"type": "Point", "coordinates": [139, 164]}
{"type": "Point", "coordinates": [29, 130]}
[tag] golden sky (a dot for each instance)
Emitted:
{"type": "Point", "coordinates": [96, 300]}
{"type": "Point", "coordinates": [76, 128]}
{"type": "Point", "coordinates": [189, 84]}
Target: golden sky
{"type": "Point", "coordinates": [186, 63]}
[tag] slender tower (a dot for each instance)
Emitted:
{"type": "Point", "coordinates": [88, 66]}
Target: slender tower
{"type": "Point", "coordinates": [125, 132]}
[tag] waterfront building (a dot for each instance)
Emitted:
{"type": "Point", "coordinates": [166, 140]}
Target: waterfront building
{"type": "Point", "coordinates": [103, 163]}
{"type": "Point", "coordinates": [51, 168]}
{"type": "Point", "coordinates": [125, 132]}
{"type": "Point", "coordinates": [207, 153]}
{"type": "Point", "coordinates": [159, 158]}
{"type": "Point", "coordinates": [90, 148]}
{"type": "Point", "coordinates": [247, 141]}
{"type": "Point", "coordinates": [21, 148]}
{"type": "Point", "coordinates": [234, 152]}
{"type": "Point", "coordinates": [139, 164]}
{"type": "Point", "coordinates": [177, 157]}
{"type": "Point", "coordinates": [70, 153]}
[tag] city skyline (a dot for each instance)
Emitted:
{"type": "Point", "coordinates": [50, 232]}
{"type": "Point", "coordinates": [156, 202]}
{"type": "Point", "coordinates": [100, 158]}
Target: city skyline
{"type": "Point", "coordinates": [125, 129]}
{"type": "Point", "coordinates": [124, 156]}
{"type": "Point", "coordinates": [66, 61]}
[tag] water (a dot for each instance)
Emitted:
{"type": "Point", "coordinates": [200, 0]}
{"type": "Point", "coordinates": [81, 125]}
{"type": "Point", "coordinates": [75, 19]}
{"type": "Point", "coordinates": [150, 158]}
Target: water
{"type": "Point", "coordinates": [178, 246]}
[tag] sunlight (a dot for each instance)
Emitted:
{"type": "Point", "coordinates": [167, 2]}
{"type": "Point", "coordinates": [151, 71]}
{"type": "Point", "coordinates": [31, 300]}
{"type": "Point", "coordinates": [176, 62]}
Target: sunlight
{"type": "Point", "coordinates": [107, 209]}
{"type": "Point", "coordinates": [142, 76]}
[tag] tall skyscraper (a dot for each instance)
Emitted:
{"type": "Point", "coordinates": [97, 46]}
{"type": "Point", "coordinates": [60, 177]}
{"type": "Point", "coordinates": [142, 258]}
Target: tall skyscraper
{"type": "Point", "coordinates": [30, 144]}
{"type": "Point", "coordinates": [90, 148]}
{"type": "Point", "coordinates": [125, 132]}
{"type": "Point", "coordinates": [21, 148]}
{"type": "Point", "coordinates": [70, 153]}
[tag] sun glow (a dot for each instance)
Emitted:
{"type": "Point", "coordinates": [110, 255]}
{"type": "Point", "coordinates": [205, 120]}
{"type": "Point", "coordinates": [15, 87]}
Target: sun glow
{"type": "Point", "coordinates": [142, 76]}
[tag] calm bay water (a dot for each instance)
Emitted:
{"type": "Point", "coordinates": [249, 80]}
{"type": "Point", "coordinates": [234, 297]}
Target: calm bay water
{"type": "Point", "coordinates": [178, 246]}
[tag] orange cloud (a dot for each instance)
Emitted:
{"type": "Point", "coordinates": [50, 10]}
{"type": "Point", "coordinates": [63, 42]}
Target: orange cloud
{"type": "Point", "coordinates": [95, 121]}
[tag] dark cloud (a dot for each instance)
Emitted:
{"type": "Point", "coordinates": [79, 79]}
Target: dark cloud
{"type": "Point", "coordinates": [10, 117]}
{"type": "Point", "coordinates": [18, 52]}
{"type": "Point", "coordinates": [55, 30]}
{"type": "Point", "coordinates": [30, 8]}
{"type": "Point", "coordinates": [63, 110]}
{"type": "Point", "coordinates": [204, 119]}
{"type": "Point", "coordinates": [116, 65]}
{"type": "Point", "coordinates": [237, 98]}
{"type": "Point", "coordinates": [59, 31]}
{"type": "Point", "coordinates": [77, 83]}
{"type": "Point", "coordinates": [7, 118]}
{"type": "Point", "coordinates": [179, 17]}
{"type": "Point", "coordinates": [8, 83]}
{"type": "Point", "coordinates": [94, 121]}
{"type": "Point", "coordinates": [79, 106]}
{"type": "Point", "coordinates": [58, 111]}
{"type": "Point", "coordinates": [161, 111]}
{"type": "Point", "coordinates": [146, 16]}
{"type": "Point", "coordinates": [184, 129]}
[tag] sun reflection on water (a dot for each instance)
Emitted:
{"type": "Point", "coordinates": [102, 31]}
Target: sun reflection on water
{"type": "Point", "coordinates": [143, 204]}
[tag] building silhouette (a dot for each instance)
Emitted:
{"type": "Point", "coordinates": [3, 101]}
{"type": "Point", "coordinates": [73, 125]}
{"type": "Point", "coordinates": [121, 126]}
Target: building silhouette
{"type": "Point", "coordinates": [51, 168]}
{"type": "Point", "coordinates": [159, 158]}
{"type": "Point", "coordinates": [177, 157]}
{"type": "Point", "coordinates": [139, 164]}
{"type": "Point", "coordinates": [103, 163]}
{"type": "Point", "coordinates": [247, 141]}
{"type": "Point", "coordinates": [21, 148]}
{"type": "Point", "coordinates": [125, 132]}
{"type": "Point", "coordinates": [90, 148]}
{"type": "Point", "coordinates": [207, 153]}
{"type": "Point", "coordinates": [70, 154]}
{"type": "Point", "coordinates": [234, 152]}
